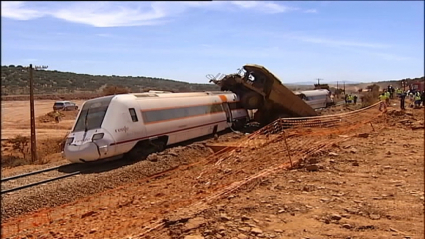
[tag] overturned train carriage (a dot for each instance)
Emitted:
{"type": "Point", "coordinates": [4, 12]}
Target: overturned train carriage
{"type": "Point", "coordinates": [134, 124]}
{"type": "Point", "coordinates": [260, 89]}
{"type": "Point", "coordinates": [316, 99]}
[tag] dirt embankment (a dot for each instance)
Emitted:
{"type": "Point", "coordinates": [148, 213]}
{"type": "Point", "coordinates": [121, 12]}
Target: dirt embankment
{"type": "Point", "coordinates": [64, 115]}
{"type": "Point", "coordinates": [16, 132]}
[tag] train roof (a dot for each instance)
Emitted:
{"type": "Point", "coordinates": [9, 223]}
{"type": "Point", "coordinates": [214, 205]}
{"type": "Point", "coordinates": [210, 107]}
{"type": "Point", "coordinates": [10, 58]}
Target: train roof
{"type": "Point", "coordinates": [162, 94]}
{"type": "Point", "coordinates": [180, 94]}
{"type": "Point", "coordinates": [312, 92]}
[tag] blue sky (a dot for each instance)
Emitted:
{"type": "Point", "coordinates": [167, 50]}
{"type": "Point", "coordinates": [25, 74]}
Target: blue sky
{"type": "Point", "coordinates": [298, 41]}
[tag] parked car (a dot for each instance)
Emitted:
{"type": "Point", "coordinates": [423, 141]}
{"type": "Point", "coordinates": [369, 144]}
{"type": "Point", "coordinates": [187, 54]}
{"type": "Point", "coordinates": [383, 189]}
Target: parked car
{"type": "Point", "coordinates": [65, 105]}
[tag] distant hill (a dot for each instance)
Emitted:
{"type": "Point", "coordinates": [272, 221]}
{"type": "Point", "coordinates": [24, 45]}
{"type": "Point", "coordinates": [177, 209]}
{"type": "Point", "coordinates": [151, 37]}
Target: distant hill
{"type": "Point", "coordinates": [352, 86]}
{"type": "Point", "coordinates": [381, 84]}
{"type": "Point", "coordinates": [15, 81]}
{"type": "Point", "coordinates": [310, 83]}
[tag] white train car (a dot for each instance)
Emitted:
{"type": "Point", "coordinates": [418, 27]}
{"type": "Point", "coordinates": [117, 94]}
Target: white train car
{"type": "Point", "coordinates": [316, 98]}
{"type": "Point", "coordinates": [111, 126]}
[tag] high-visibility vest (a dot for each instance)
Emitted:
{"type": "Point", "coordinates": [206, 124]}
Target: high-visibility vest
{"type": "Point", "coordinates": [387, 94]}
{"type": "Point", "coordinates": [417, 97]}
{"type": "Point", "coordinates": [382, 97]}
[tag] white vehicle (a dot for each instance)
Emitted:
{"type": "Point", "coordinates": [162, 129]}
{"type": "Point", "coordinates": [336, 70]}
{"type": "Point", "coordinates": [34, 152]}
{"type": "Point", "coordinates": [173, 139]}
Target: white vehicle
{"type": "Point", "coordinates": [316, 98]}
{"type": "Point", "coordinates": [111, 126]}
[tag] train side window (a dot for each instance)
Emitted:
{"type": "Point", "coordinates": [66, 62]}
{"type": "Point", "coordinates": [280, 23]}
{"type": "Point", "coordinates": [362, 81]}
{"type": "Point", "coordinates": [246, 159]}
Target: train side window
{"type": "Point", "coordinates": [133, 114]}
{"type": "Point", "coordinates": [215, 108]}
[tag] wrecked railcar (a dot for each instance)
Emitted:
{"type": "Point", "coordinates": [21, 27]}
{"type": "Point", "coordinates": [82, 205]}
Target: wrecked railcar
{"type": "Point", "coordinates": [260, 89]}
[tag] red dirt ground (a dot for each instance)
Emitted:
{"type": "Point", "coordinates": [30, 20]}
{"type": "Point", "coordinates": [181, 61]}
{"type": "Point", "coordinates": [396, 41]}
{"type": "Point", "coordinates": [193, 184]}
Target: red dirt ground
{"type": "Point", "coordinates": [356, 182]}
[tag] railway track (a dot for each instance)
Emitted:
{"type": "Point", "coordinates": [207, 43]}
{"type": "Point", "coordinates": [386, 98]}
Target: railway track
{"type": "Point", "coordinates": [27, 180]}
{"type": "Point", "coordinates": [35, 178]}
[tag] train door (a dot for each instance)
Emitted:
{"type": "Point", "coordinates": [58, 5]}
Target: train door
{"type": "Point", "coordinates": [229, 117]}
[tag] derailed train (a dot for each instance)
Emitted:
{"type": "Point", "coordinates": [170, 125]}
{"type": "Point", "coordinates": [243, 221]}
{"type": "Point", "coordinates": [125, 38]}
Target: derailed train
{"type": "Point", "coordinates": [112, 126]}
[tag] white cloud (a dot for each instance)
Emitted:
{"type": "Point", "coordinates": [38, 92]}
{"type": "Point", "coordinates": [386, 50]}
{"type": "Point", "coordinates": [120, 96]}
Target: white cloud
{"type": "Point", "coordinates": [117, 14]}
{"type": "Point", "coordinates": [310, 11]}
{"type": "Point", "coordinates": [103, 35]}
{"type": "Point", "coordinates": [360, 47]}
{"type": "Point", "coordinates": [339, 43]}
{"type": "Point", "coordinates": [16, 10]}
{"type": "Point", "coordinates": [267, 7]}
{"type": "Point", "coordinates": [371, 49]}
{"type": "Point", "coordinates": [390, 57]}
{"type": "Point", "coordinates": [384, 56]}
{"type": "Point", "coordinates": [103, 14]}
{"type": "Point", "coordinates": [247, 4]}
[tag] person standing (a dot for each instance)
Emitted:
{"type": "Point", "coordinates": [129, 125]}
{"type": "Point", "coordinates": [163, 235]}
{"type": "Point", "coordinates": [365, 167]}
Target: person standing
{"type": "Point", "coordinates": [382, 98]}
{"type": "Point", "coordinates": [57, 116]}
{"type": "Point", "coordinates": [392, 90]}
{"type": "Point", "coordinates": [417, 100]}
{"type": "Point", "coordinates": [355, 99]}
{"type": "Point", "coordinates": [387, 98]}
{"type": "Point", "coordinates": [402, 99]}
{"type": "Point", "coordinates": [423, 98]}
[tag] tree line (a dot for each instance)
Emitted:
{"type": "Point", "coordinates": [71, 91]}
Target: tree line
{"type": "Point", "coordinates": [15, 81]}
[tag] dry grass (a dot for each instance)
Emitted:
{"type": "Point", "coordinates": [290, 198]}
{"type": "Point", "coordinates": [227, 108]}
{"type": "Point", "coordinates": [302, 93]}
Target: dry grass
{"type": "Point", "coordinates": [17, 151]}
{"type": "Point", "coordinates": [16, 147]}
{"type": "Point", "coordinates": [113, 90]}
{"type": "Point", "coordinates": [74, 96]}
{"type": "Point", "coordinates": [65, 115]}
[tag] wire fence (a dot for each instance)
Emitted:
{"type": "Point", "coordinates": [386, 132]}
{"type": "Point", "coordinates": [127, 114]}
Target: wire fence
{"type": "Point", "coordinates": [133, 210]}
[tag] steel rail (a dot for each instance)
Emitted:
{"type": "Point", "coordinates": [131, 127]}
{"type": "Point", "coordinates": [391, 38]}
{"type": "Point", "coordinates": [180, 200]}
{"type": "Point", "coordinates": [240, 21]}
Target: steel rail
{"type": "Point", "coordinates": [32, 173]}
{"type": "Point", "coordinates": [38, 183]}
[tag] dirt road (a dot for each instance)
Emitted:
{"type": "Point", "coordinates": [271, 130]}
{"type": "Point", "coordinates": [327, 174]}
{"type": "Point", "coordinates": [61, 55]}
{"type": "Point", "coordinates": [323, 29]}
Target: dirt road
{"type": "Point", "coordinates": [16, 119]}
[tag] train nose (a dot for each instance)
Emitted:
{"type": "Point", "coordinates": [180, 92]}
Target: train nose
{"type": "Point", "coordinates": [84, 152]}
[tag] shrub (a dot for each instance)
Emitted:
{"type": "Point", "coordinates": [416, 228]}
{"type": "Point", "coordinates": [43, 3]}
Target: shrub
{"type": "Point", "coordinates": [370, 97]}
{"type": "Point", "coordinates": [49, 146]}
{"type": "Point", "coordinates": [113, 90]}
{"type": "Point", "coordinates": [20, 144]}
{"type": "Point", "coordinates": [11, 161]}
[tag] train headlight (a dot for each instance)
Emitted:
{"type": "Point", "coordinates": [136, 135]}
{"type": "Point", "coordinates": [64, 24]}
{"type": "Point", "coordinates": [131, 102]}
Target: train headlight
{"type": "Point", "coordinates": [98, 136]}
{"type": "Point", "coordinates": [103, 149]}
{"type": "Point", "coordinates": [69, 140]}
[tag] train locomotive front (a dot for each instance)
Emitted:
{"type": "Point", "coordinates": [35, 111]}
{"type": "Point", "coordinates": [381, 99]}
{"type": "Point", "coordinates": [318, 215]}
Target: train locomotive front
{"type": "Point", "coordinates": [112, 126]}
{"type": "Point", "coordinates": [88, 140]}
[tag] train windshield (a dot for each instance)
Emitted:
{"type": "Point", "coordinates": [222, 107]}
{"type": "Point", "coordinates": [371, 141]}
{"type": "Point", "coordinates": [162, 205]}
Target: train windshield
{"type": "Point", "coordinates": [92, 114]}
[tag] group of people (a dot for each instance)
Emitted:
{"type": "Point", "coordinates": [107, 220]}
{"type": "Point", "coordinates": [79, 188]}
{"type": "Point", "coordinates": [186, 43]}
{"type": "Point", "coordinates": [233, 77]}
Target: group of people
{"type": "Point", "coordinates": [416, 97]}
{"type": "Point", "coordinates": [351, 99]}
